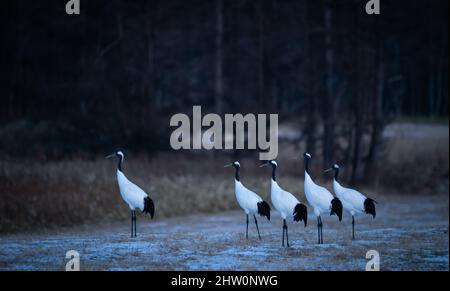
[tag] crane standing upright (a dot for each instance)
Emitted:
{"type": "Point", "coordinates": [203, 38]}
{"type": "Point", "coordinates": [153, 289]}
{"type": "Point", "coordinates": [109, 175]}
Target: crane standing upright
{"type": "Point", "coordinates": [132, 194]}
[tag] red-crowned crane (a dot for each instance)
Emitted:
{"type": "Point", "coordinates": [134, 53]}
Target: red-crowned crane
{"type": "Point", "coordinates": [285, 203]}
{"type": "Point", "coordinates": [320, 199]}
{"type": "Point", "coordinates": [352, 200]}
{"type": "Point", "coordinates": [134, 196]}
{"type": "Point", "coordinates": [249, 201]}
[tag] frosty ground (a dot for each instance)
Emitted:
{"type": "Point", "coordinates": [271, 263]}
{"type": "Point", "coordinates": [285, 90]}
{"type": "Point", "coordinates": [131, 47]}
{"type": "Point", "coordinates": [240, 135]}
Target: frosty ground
{"type": "Point", "coordinates": [409, 232]}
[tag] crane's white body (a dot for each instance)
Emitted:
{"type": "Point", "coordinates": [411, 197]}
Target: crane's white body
{"type": "Point", "coordinates": [318, 197]}
{"type": "Point", "coordinates": [132, 194]}
{"type": "Point", "coordinates": [283, 201]}
{"type": "Point", "coordinates": [247, 199]}
{"type": "Point", "coordinates": [352, 200]}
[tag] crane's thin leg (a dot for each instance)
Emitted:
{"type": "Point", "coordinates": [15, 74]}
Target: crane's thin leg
{"type": "Point", "coordinates": [246, 233]}
{"type": "Point", "coordinates": [282, 244]}
{"type": "Point", "coordinates": [285, 227]}
{"type": "Point", "coordinates": [134, 223]}
{"type": "Point", "coordinates": [353, 226]}
{"type": "Point", "coordinates": [256, 223]}
{"type": "Point", "coordinates": [321, 230]}
{"type": "Point", "coordinates": [318, 229]}
{"type": "Point", "coordinates": [135, 232]}
{"type": "Point", "coordinates": [132, 219]}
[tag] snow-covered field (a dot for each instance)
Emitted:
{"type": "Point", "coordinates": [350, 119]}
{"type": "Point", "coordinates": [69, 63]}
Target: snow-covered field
{"type": "Point", "coordinates": [409, 232]}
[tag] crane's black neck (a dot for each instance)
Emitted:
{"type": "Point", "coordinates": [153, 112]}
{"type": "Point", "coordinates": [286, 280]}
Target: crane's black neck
{"type": "Point", "coordinates": [119, 165]}
{"type": "Point", "coordinates": [236, 174]}
{"type": "Point", "coordinates": [274, 169]}
{"type": "Point", "coordinates": [307, 165]}
{"type": "Point", "coordinates": [336, 174]}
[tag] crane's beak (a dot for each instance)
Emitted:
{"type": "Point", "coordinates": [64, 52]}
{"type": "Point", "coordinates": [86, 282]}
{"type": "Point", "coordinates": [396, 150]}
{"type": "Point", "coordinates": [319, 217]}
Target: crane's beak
{"type": "Point", "coordinates": [110, 156]}
{"type": "Point", "coordinates": [263, 165]}
{"type": "Point", "coordinates": [328, 170]}
{"type": "Point", "coordinates": [228, 165]}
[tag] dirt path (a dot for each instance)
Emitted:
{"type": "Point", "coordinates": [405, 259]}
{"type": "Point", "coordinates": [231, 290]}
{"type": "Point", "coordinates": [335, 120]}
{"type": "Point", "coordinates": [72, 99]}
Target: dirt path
{"type": "Point", "coordinates": [410, 233]}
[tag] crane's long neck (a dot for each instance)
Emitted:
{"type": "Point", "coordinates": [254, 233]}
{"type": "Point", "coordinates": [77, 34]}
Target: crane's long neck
{"type": "Point", "coordinates": [119, 165]}
{"type": "Point", "coordinates": [336, 174]}
{"type": "Point", "coordinates": [236, 174]}
{"type": "Point", "coordinates": [274, 170]}
{"type": "Point", "coordinates": [307, 166]}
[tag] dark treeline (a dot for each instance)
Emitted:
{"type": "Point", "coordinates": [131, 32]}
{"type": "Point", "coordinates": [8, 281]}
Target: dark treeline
{"type": "Point", "coordinates": [114, 74]}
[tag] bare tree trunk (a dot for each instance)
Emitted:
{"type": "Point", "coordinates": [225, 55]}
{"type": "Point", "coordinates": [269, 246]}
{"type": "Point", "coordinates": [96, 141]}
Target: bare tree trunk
{"type": "Point", "coordinates": [234, 70]}
{"type": "Point", "coordinates": [148, 81]}
{"type": "Point", "coordinates": [356, 144]}
{"type": "Point", "coordinates": [377, 119]}
{"type": "Point", "coordinates": [328, 106]}
{"type": "Point", "coordinates": [261, 53]}
{"type": "Point", "coordinates": [219, 56]}
{"type": "Point", "coordinates": [310, 129]}
{"type": "Point", "coordinates": [11, 76]}
{"type": "Point", "coordinates": [357, 107]}
{"type": "Point", "coordinates": [358, 125]}
{"type": "Point", "coordinates": [431, 86]}
{"type": "Point", "coordinates": [399, 75]}
{"type": "Point", "coordinates": [440, 69]}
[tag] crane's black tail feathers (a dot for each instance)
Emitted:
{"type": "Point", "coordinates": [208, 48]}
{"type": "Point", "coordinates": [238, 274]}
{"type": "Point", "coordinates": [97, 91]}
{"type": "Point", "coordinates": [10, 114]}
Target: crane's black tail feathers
{"type": "Point", "coordinates": [149, 207]}
{"type": "Point", "coordinates": [301, 213]}
{"type": "Point", "coordinates": [369, 207]}
{"type": "Point", "coordinates": [336, 208]}
{"type": "Point", "coordinates": [264, 209]}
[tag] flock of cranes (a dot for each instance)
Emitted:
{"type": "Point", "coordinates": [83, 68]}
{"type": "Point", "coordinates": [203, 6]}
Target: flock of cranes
{"type": "Point", "coordinates": [289, 207]}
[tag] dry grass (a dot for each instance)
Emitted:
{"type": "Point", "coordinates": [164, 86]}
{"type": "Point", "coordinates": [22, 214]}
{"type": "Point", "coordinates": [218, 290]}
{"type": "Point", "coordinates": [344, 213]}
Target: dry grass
{"type": "Point", "coordinates": [416, 160]}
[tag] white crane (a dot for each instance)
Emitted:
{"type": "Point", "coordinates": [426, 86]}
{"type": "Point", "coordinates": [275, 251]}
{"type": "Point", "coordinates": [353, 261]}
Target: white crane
{"type": "Point", "coordinates": [320, 199]}
{"type": "Point", "coordinates": [285, 203]}
{"type": "Point", "coordinates": [134, 196]}
{"type": "Point", "coordinates": [352, 200]}
{"type": "Point", "coordinates": [249, 201]}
